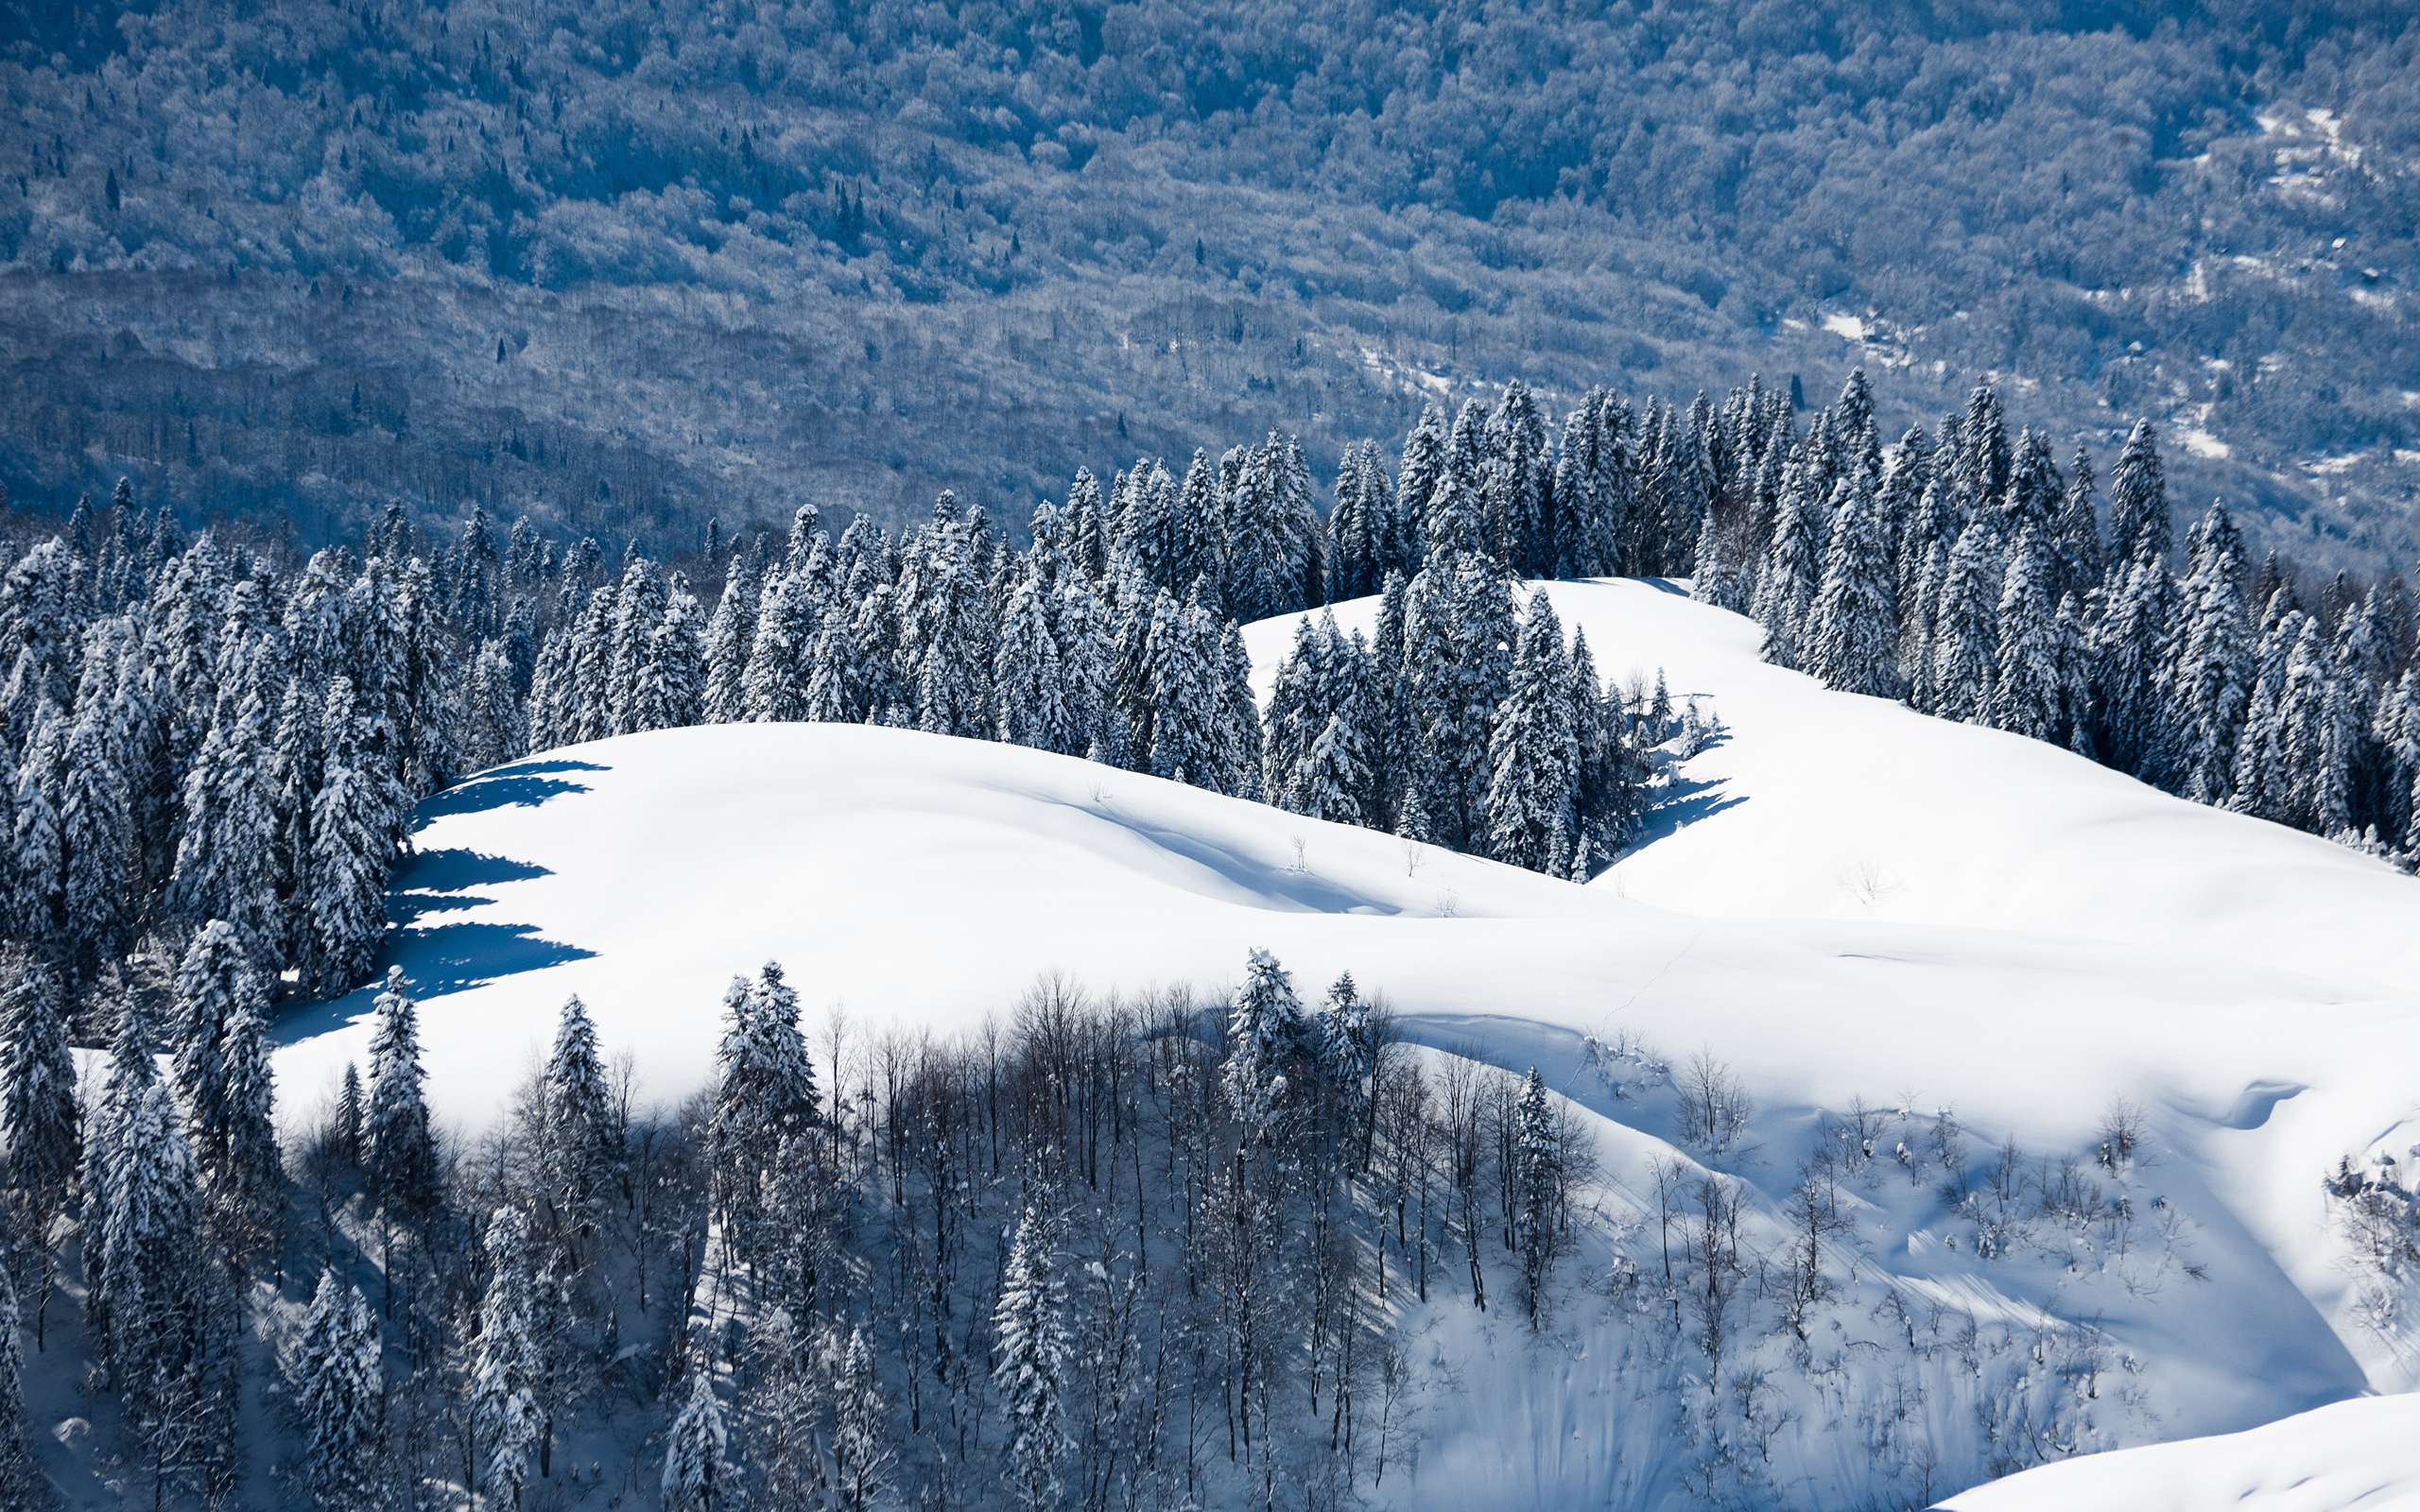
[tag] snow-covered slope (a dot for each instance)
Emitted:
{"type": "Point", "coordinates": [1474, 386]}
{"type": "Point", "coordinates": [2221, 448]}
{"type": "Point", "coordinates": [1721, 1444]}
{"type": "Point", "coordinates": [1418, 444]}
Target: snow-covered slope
{"type": "Point", "coordinates": [1853, 902]}
{"type": "Point", "coordinates": [2351, 1456]}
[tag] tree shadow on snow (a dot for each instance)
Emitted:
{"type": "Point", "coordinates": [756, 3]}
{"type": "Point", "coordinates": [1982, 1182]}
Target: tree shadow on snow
{"type": "Point", "coordinates": [435, 961]}
{"type": "Point", "coordinates": [1685, 802]}
{"type": "Point", "coordinates": [438, 882]}
{"type": "Point", "coordinates": [525, 785]}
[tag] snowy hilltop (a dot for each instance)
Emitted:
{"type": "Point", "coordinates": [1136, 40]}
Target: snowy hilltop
{"type": "Point", "coordinates": [1418, 1004]}
{"type": "Point", "coordinates": [2012, 1083]}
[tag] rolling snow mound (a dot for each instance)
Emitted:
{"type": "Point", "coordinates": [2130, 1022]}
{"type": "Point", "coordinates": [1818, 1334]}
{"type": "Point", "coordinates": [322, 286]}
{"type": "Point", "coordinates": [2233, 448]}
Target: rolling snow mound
{"type": "Point", "coordinates": [1842, 899]}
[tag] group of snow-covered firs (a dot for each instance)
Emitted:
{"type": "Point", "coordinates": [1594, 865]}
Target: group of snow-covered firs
{"type": "Point", "coordinates": [1968, 575]}
{"type": "Point", "coordinates": [1126, 1253]}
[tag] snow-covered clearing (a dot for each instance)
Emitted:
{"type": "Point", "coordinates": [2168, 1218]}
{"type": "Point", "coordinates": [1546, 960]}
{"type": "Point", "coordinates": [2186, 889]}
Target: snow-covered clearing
{"type": "Point", "coordinates": [1843, 899]}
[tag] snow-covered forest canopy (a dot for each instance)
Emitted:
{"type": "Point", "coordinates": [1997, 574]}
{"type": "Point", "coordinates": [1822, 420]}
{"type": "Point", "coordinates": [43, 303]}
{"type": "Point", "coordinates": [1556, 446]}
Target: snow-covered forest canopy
{"type": "Point", "coordinates": [625, 267]}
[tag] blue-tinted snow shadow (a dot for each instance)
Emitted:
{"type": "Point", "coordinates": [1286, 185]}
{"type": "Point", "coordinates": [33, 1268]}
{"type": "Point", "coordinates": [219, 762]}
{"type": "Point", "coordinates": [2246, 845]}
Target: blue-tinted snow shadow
{"type": "Point", "coordinates": [440, 882]}
{"type": "Point", "coordinates": [1685, 802]}
{"type": "Point", "coordinates": [435, 961]}
{"type": "Point", "coordinates": [524, 785]}
{"type": "Point", "coordinates": [1275, 886]}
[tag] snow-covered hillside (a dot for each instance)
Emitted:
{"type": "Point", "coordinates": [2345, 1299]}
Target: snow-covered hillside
{"type": "Point", "coordinates": [2348, 1455]}
{"type": "Point", "coordinates": [1843, 902]}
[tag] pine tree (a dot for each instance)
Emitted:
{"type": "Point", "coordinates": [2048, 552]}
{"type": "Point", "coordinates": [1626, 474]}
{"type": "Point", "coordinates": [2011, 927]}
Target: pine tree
{"type": "Point", "coordinates": [2260, 778]}
{"type": "Point", "coordinates": [1031, 1363]}
{"type": "Point", "coordinates": [766, 1098]}
{"type": "Point", "coordinates": [39, 854]}
{"type": "Point", "coordinates": [2139, 531]}
{"type": "Point", "coordinates": [1534, 752]}
{"type": "Point", "coordinates": [668, 690]}
{"type": "Point", "coordinates": [1850, 639]}
{"type": "Point", "coordinates": [2027, 682]}
{"type": "Point", "coordinates": [860, 1450]}
{"type": "Point", "coordinates": [355, 819]}
{"type": "Point", "coordinates": [948, 632]}
{"type": "Point", "coordinates": [149, 1301]}
{"type": "Point", "coordinates": [1028, 679]}
{"type": "Point", "coordinates": [773, 688]}
{"type": "Point", "coordinates": [41, 1126]}
{"type": "Point", "coordinates": [505, 1368]}
{"type": "Point", "coordinates": [578, 1126]}
{"type": "Point", "coordinates": [399, 1153]}
{"type": "Point", "coordinates": [1538, 1184]}
{"type": "Point", "coordinates": [23, 1484]}
{"type": "Point", "coordinates": [2130, 660]}
{"type": "Point", "coordinates": [223, 1080]}
{"type": "Point", "coordinates": [729, 637]}
{"type": "Point", "coordinates": [638, 614]}
{"type": "Point", "coordinates": [1264, 1038]}
{"type": "Point", "coordinates": [2211, 688]}
{"type": "Point", "coordinates": [95, 820]}
{"type": "Point", "coordinates": [227, 860]}
{"type": "Point", "coordinates": [1183, 707]}
{"type": "Point", "coordinates": [1785, 591]}
{"type": "Point", "coordinates": [336, 1378]}
{"type": "Point", "coordinates": [1965, 649]}
{"type": "Point", "coordinates": [697, 1475]}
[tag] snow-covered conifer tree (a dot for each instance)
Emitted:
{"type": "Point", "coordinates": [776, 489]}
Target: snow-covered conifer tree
{"type": "Point", "coordinates": [578, 1128]}
{"type": "Point", "coordinates": [1534, 754]}
{"type": "Point", "coordinates": [506, 1369]}
{"type": "Point", "coordinates": [1032, 1361]}
{"type": "Point", "coordinates": [1264, 1038]}
{"type": "Point", "coordinates": [1850, 638]}
{"type": "Point", "coordinates": [2027, 681]}
{"type": "Point", "coordinates": [698, 1475]}
{"type": "Point", "coordinates": [2211, 688]}
{"type": "Point", "coordinates": [354, 817]}
{"type": "Point", "coordinates": [730, 635]}
{"type": "Point", "coordinates": [337, 1381]}
{"type": "Point", "coordinates": [1028, 682]}
{"type": "Point", "coordinates": [765, 1096]}
{"type": "Point", "coordinates": [1964, 626]}
{"type": "Point", "coordinates": [1785, 591]}
{"type": "Point", "coordinates": [2139, 529]}
{"type": "Point", "coordinates": [399, 1153]}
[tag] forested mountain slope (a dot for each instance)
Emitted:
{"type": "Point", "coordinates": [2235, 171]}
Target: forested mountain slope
{"type": "Point", "coordinates": [2078, 1146]}
{"type": "Point", "coordinates": [625, 267]}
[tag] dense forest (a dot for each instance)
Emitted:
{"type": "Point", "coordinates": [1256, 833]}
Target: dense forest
{"type": "Point", "coordinates": [623, 268]}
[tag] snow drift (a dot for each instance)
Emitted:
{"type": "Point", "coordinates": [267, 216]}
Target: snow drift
{"type": "Point", "coordinates": [1843, 900]}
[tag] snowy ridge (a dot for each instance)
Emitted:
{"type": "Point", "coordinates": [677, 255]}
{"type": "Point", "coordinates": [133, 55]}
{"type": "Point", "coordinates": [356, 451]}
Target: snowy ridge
{"type": "Point", "coordinates": [1844, 900]}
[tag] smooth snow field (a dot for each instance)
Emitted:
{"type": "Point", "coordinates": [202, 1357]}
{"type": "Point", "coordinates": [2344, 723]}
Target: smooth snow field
{"type": "Point", "coordinates": [1842, 899]}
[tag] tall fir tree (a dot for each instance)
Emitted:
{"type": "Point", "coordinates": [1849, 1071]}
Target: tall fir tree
{"type": "Point", "coordinates": [398, 1148]}
{"type": "Point", "coordinates": [1532, 809]}
{"type": "Point", "coordinates": [1851, 636]}
{"type": "Point", "coordinates": [1032, 1364]}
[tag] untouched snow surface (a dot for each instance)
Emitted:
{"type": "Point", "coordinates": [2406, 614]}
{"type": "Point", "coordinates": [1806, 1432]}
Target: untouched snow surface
{"type": "Point", "coordinates": [1843, 899]}
{"type": "Point", "coordinates": [2351, 1456]}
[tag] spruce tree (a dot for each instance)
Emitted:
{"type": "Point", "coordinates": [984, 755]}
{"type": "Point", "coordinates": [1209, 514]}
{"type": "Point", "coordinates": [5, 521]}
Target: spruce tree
{"type": "Point", "coordinates": [399, 1152]}
{"type": "Point", "coordinates": [23, 1484]}
{"type": "Point", "coordinates": [1534, 752]}
{"type": "Point", "coordinates": [1265, 1039]}
{"type": "Point", "coordinates": [337, 1377]}
{"type": "Point", "coordinates": [729, 637]}
{"type": "Point", "coordinates": [576, 1128]}
{"type": "Point", "coordinates": [1028, 678]}
{"type": "Point", "coordinates": [41, 1126]}
{"type": "Point", "coordinates": [1850, 639]}
{"type": "Point", "coordinates": [773, 689]}
{"type": "Point", "coordinates": [2211, 689]}
{"type": "Point", "coordinates": [2027, 681]}
{"type": "Point", "coordinates": [2139, 531]}
{"type": "Point", "coordinates": [1964, 649]}
{"type": "Point", "coordinates": [1785, 591]}
{"type": "Point", "coordinates": [2130, 663]}
{"type": "Point", "coordinates": [765, 1099]}
{"type": "Point", "coordinates": [1031, 1363]}
{"type": "Point", "coordinates": [355, 816]}
{"type": "Point", "coordinates": [505, 1369]}
{"type": "Point", "coordinates": [697, 1476]}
